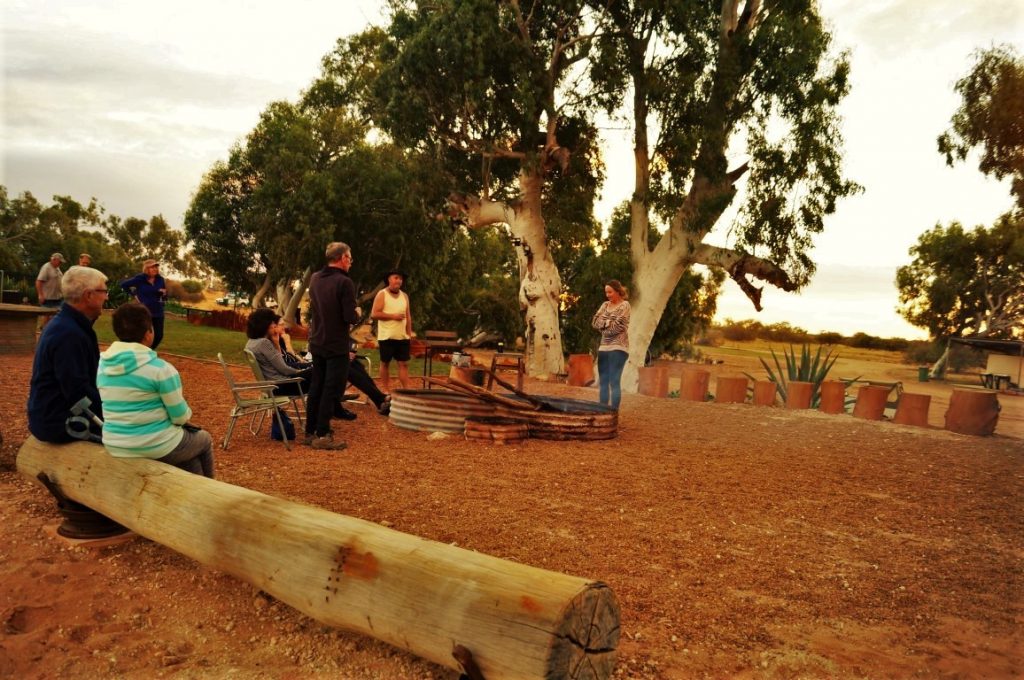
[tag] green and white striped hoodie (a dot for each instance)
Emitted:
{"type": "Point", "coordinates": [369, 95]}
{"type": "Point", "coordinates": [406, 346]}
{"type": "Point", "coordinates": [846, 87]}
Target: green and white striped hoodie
{"type": "Point", "coordinates": [143, 406]}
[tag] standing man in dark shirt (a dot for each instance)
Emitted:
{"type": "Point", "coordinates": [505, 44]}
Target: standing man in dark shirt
{"type": "Point", "coordinates": [150, 289]}
{"type": "Point", "coordinates": [332, 303]}
{"type": "Point", "coordinates": [67, 356]}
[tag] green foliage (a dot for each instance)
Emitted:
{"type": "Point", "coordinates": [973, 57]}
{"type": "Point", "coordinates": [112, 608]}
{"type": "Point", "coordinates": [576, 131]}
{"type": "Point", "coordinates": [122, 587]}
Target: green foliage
{"type": "Point", "coordinates": [805, 369]}
{"type": "Point", "coordinates": [966, 283]}
{"type": "Point", "coordinates": [989, 117]}
{"type": "Point", "coordinates": [771, 81]}
{"type": "Point", "coordinates": [192, 286]}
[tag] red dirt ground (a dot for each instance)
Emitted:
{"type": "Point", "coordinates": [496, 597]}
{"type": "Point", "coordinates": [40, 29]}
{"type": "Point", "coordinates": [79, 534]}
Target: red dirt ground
{"type": "Point", "coordinates": [740, 541]}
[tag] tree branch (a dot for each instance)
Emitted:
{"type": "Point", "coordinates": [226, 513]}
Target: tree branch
{"type": "Point", "coordinates": [740, 266]}
{"type": "Point", "coordinates": [476, 212]}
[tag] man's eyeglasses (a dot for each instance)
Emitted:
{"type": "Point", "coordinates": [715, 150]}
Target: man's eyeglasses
{"type": "Point", "coordinates": [104, 291]}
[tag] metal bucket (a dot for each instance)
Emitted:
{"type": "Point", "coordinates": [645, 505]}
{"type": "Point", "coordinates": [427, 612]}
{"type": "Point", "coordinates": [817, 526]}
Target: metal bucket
{"type": "Point", "coordinates": [435, 410]}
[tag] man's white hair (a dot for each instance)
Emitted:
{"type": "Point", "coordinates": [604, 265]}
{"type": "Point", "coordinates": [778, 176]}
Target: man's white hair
{"type": "Point", "coordinates": [77, 280]}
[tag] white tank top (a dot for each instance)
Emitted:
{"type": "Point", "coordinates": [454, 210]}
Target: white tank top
{"type": "Point", "coordinates": [393, 329]}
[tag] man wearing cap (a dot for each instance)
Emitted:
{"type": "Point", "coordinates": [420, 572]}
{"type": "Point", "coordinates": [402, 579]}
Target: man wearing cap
{"type": "Point", "coordinates": [85, 260]}
{"type": "Point", "coordinates": [150, 289]}
{"type": "Point", "coordinates": [394, 328]}
{"type": "Point", "coordinates": [48, 282]}
{"type": "Point", "coordinates": [332, 305]}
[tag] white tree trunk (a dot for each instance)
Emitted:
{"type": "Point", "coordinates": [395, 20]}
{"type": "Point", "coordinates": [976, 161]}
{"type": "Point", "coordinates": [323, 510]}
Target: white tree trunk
{"type": "Point", "coordinates": [259, 296]}
{"type": "Point", "coordinates": [540, 284]}
{"type": "Point", "coordinates": [290, 313]}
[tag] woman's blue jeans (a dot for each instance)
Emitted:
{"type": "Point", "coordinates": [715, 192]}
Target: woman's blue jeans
{"type": "Point", "coordinates": [609, 371]}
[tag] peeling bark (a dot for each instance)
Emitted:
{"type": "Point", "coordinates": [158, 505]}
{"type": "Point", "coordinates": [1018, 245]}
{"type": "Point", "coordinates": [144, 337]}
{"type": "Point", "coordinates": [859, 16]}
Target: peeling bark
{"type": "Point", "coordinates": [540, 285]}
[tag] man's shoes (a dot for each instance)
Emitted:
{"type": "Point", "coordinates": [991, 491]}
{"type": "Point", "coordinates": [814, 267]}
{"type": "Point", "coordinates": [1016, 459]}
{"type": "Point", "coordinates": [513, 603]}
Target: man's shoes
{"type": "Point", "coordinates": [344, 414]}
{"type": "Point", "coordinates": [327, 442]}
{"type": "Point", "coordinates": [307, 439]}
{"type": "Point", "coordinates": [385, 406]}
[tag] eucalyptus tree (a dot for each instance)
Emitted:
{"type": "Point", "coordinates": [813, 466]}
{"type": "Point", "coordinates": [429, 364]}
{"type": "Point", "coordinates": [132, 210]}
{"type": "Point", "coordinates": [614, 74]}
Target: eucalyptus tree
{"type": "Point", "coordinates": [966, 283]}
{"type": "Point", "coordinates": [989, 117]}
{"type": "Point", "coordinates": [491, 90]}
{"type": "Point", "coordinates": [730, 102]}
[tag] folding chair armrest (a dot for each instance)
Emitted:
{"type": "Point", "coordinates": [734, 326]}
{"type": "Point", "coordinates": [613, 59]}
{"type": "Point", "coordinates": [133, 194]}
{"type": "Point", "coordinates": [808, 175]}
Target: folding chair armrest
{"type": "Point", "coordinates": [256, 384]}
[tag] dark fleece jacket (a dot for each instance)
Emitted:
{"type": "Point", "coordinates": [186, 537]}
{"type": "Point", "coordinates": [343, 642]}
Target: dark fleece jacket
{"type": "Point", "coordinates": [332, 301]}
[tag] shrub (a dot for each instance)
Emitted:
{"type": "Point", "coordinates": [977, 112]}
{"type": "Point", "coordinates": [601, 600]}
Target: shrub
{"type": "Point", "coordinates": [176, 291]}
{"type": "Point", "coordinates": [192, 286]}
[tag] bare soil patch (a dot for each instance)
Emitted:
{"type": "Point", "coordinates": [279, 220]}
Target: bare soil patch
{"type": "Point", "coordinates": [741, 542]}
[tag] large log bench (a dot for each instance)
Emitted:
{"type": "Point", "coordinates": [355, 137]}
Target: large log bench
{"type": "Point", "coordinates": [419, 595]}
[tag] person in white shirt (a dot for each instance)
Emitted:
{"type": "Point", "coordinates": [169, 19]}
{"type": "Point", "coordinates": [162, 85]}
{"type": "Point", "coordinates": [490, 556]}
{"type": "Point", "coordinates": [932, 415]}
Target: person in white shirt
{"type": "Point", "coordinates": [394, 329]}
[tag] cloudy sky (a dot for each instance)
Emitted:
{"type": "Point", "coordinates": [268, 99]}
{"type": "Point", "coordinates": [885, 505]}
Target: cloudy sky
{"type": "Point", "coordinates": [131, 101]}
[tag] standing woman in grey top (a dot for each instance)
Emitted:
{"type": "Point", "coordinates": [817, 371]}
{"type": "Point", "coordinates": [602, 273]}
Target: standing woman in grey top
{"type": "Point", "coordinates": [612, 319]}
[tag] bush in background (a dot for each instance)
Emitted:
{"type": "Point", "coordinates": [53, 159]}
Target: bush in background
{"type": "Point", "coordinates": [192, 286]}
{"type": "Point", "coordinates": [176, 291]}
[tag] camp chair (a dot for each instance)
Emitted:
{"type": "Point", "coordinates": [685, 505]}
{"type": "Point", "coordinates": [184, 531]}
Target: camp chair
{"type": "Point", "coordinates": [252, 406]}
{"type": "Point", "coordinates": [436, 342]}
{"type": "Point", "coordinates": [296, 399]}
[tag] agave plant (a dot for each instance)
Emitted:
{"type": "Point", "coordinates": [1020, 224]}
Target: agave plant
{"type": "Point", "coordinates": [807, 370]}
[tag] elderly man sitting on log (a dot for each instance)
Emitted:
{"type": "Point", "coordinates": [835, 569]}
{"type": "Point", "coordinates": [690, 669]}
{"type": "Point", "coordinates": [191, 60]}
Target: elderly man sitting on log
{"type": "Point", "coordinates": [64, 367]}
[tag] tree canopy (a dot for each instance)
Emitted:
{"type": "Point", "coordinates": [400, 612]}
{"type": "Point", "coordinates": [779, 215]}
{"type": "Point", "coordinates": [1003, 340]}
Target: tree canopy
{"type": "Point", "coordinates": [966, 283]}
{"type": "Point", "coordinates": [990, 117]}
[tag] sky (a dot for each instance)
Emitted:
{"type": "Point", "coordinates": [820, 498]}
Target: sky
{"type": "Point", "coordinates": [131, 101]}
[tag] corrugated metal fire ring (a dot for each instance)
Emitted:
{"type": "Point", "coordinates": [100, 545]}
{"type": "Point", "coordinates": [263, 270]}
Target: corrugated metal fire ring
{"type": "Point", "coordinates": [576, 419]}
{"type": "Point", "coordinates": [435, 410]}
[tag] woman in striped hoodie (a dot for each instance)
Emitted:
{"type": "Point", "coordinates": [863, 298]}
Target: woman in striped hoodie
{"type": "Point", "coordinates": [148, 415]}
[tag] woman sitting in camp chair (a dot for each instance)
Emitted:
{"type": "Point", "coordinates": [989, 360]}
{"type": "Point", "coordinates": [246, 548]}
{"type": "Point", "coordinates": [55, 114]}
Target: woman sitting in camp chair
{"type": "Point", "coordinates": [264, 330]}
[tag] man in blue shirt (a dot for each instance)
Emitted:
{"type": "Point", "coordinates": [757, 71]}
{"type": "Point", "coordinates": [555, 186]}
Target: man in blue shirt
{"type": "Point", "coordinates": [150, 289]}
{"type": "Point", "coordinates": [67, 356]}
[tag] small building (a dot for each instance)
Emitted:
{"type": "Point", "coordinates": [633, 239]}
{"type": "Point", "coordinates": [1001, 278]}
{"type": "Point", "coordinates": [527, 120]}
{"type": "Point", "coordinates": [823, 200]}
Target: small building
{"type": "Point", "coordinates": [1005, 366]}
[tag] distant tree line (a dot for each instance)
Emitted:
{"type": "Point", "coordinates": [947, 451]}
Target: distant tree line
{"type": "Point", "coordinates": [30, 231]}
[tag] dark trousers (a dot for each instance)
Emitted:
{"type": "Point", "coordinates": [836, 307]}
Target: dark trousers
{"type": "Point", "coordinates": [158, 332]}
{"type": "Point", "coordinates": [609, 371]}
{"type": "Point", "coordinates": [362, 381]}
{"type": "Point", "coordinates": [325, 389]}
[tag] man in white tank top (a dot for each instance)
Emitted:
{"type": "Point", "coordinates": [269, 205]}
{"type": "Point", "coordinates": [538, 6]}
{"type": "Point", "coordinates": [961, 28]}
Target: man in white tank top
{"type": "Point", "coordinates": [394, 329]}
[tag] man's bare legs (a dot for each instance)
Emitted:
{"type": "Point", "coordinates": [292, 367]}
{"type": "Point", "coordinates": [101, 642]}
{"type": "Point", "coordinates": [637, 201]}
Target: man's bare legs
{"type": "Point", "coordinates": [385, 376]}
{"type": "Point", "coordinates": [403, 373]}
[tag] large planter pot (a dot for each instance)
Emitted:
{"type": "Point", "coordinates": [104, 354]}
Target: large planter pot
{"type": "Point", "coordinates": [912, 409]}
{"type": "Point", "coordinates": [833, 397]}
{"type": "Point", "coordinates": [765, 392]}
{"type": "Point", "coordinates": [694, 385]}
{"type": "Point", "coordinates": [653, 381]}
{"type": "Point", "coordinates": [798, 394]}
{"type": "Point", "coordinates": [972, 412]}
{"type": "Point", "coordinates": [731, 389]}
{"type": "Point", "coordinates": [870, 402]}
{"type": "Point", "coordinates": [581, 370]}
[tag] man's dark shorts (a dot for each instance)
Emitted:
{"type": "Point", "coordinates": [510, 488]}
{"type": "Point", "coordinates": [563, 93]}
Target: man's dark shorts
{"type": "Point", "coordinates": [394, 349]}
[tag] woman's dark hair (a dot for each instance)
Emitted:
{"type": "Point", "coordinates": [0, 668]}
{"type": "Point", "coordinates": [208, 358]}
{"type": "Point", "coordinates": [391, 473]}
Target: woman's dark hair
{"type": "Point", "coordinates": [131, 321]}
{"type": "Point", "coordinates": [259, 322]}
{"type": "Point", "coordinates": [615, 285]}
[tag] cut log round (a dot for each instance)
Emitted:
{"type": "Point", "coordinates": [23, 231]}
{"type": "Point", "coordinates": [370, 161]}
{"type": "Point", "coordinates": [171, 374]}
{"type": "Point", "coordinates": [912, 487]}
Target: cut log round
{"type": "Point", "coordinates": [764, 393]}
{"type": "Point", "coordinates": [581, 370]}
{"type": "Point", "coordinates": [833, 397]}
{"type": "Point", "coordinates": [653, 381]}
{"type": "Point", "coordinates": [798, 394]}
{"type": "Point", "coordinates": [912, 409]}
{"type": "Point", "coordinates": [972, 412]}
{"type": "Point", "coordinates": [731, 389]}
{"type": "Point", "coordinates": [870, 402]}
{"type": "Point", "coordinates": [425, 597]}
{"type": "Point", "coordinates": [694, 385]}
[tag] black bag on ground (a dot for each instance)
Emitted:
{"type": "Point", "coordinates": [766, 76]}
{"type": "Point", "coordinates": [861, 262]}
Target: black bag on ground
{"type": "Point", "coordinates": [275, 429]}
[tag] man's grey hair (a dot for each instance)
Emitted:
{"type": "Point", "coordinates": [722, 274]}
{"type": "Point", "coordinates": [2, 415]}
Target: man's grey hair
{"type": "Point", "coordinates": [77, 280]}
{"type": "Point", "coordinates": [336, 250]}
